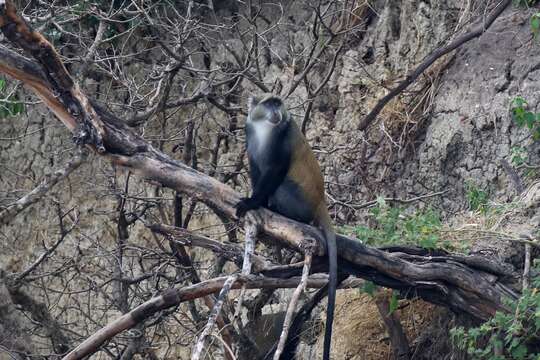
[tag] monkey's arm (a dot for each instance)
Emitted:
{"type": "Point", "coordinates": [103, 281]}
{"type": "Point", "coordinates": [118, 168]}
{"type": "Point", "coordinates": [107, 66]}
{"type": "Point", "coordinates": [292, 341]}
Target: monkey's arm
{"type": "Point", "coordinates": [269, 180]}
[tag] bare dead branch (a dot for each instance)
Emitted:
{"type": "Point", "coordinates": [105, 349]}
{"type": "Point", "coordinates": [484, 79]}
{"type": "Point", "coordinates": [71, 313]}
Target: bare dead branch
{"type": "Point", "coordinates": [231, 252]}
{"type": "Point", "coordinates": [249, 250]}
{"type": "Point", "coordinates": [527, 267]}
{"type": "Point", "coordinates": [199, 345]}
{"type": "Point", "coordinates": [395, 200]}
{"type": "Point", "coordinates": [249, 245]}
{"type": "Point", "coordinates": [292, 306]}
{"type": "Point", "coordinates": [174, 297]}
{"type": "Point", "coordinates": [47, 183]}
{"type": "Point", "coordinates": [90, 128]}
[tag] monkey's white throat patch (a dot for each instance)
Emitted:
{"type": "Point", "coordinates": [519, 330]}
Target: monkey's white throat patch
{"type": "Point", "coordinates": [263, 132]}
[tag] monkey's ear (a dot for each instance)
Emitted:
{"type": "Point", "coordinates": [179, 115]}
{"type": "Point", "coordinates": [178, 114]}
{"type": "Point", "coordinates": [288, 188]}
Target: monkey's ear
{"type": "Point", "coordinates": [252, 102]}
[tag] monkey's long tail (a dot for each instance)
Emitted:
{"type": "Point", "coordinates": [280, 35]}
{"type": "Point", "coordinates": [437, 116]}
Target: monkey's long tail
{"type": "Point", "coordinates": [331, 250]}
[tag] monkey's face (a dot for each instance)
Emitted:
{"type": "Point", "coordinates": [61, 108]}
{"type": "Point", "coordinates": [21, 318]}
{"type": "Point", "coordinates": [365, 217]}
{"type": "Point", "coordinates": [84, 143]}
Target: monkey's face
{"type": "Point", "coordinates": [264, 113]}
{"type": "Point", "coordinates": [270, 110]}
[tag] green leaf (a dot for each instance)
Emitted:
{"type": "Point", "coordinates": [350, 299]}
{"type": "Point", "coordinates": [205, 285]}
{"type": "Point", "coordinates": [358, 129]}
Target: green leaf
{"type": "Point", "coordinates": [369, 288]}
{"type": "Point", "coordinates": [530, 119]}
{"type": "Point", "coordinates": [520, 352]}
{"type": "Point", "coordinates": [429, 242]}
{"type": "Point", "coordinates": [519, 102]}
{"type": "Point", "coordinates": [535, 22]}
{"type": "Point", "coordinates": [18, 108]}
{"type": "Point", "coordinates": [497, 344]}
{"type": "Point", "coordinates": [393, 303]}
{"type": "Point", "coordinates": [519, 155]}
{"type": "Point", "coordinates": [518, 116]}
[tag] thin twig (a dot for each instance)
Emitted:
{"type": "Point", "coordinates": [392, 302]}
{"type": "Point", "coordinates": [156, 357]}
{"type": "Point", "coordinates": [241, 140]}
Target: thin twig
{"type": "Point", "coordinates": [249, 249]}
{"type": "Point", "coordinates": [527, 267]}
{"type": "Point", "coordinates": [42, 258]}
{"type": "Point", "coordinates": [292, 306]}
{"type": "Point", "coordinates": [199, 346]}
{"type": "Point", "coordinates": [175, 296]}
{"type": "Point", "coordinates": [398, 200]}
{"type": "Point", "coordinates": [523, 239]}
{"type": "Point", "coordinates": [226, 346]}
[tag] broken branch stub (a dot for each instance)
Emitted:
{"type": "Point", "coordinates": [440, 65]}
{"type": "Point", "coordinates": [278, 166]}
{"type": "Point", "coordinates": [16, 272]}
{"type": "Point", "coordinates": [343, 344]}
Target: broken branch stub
{"type": "Point", "coordinates": [89, 129]}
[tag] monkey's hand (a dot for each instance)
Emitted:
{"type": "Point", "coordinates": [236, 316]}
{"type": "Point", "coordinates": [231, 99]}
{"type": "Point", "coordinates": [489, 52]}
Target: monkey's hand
{"type": "Point", "coordinates": [244, 205]}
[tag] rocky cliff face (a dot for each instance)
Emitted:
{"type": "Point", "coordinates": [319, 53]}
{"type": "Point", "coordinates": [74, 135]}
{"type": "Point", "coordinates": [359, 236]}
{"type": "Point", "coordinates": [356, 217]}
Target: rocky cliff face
{"type": "Point", "coordinates": [471, 131]}
{"type": "Point", "coordinates": [456, 130]}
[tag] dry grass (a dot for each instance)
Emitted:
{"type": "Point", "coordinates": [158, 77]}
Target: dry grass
{"type": "Point", "coordinates": [500, 226]}
{"type": "Point", "coordinates": [359, 332]}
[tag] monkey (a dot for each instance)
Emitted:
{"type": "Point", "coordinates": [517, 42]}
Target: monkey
{"type": "Point", "coordinates": [286, 178]}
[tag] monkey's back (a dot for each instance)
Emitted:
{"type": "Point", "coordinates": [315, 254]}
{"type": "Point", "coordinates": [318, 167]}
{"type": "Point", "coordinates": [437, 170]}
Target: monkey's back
{"type": "Point", "coordinates": [301, 195]}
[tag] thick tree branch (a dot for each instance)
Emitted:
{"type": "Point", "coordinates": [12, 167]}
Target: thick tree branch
{"type": "Point", "coordinates": [89, 126]}
{"type": "Point", "coordinates": [231, 252]}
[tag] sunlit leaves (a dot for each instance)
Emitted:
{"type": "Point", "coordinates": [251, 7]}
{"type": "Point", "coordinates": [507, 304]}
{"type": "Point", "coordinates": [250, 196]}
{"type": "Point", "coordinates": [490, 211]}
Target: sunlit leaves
{"type": "Point", "coordinates": [525, 118]}
{"type": "Point", "coordinates": [508, 333]}
{"type": "Point", "coordinates": [392, 225]}
{"type": "Point", "coordinates": [535, 24]}
{"type": "Point", "coordinates": [10, 105]}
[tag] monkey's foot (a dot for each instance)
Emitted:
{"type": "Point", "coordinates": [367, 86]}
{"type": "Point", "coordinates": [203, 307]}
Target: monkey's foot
{"type": "Point", "coordinates": [244, 205]}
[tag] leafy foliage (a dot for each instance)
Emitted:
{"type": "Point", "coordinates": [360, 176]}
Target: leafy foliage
{"type": "Point", "coordinates": [524, 118]}
{"type": "Point", "coordinates": [512, 333]}
{"type": "Point", "coordinates": [524, 2]}
{"type": "Point", "coordinates": [369, 288]}
{"type": "Point", "coordinates": [393, 304]}
{"type": "Point", "coordinates": [476, 198]}
{"type": "Point", "coordinates": [535, 24]}
{"type": "Point", "coordinates": [10, 105]}
{"type": "Point", "coordinates": [519, 155]}
{"type": "Point", "coordinates": [392, 226]}
{"type": "Point", "coordinates": [535, 18]}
